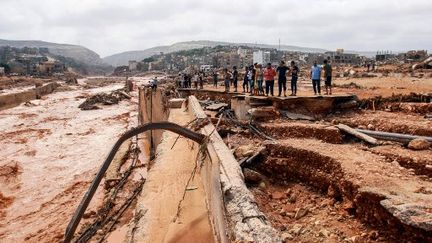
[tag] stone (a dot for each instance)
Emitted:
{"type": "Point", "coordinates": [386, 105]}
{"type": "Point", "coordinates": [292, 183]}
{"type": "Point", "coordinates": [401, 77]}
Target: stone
{"type": "Point", "coordinates": [296, 229]}
{"type": "Point", "coordinates": [419, 144]}
{"type": "Point", "coordinates": [324, 233]}
{"type": "Point", "coordinates": [252, 176]}
{"type": "Point", "coordinates": [278, 195]}
{"type": "Point", "coordinates": [244, 151]}
{"type": "Point", "coordinates": [428, 167]}
{"type": "Point", "coordinates": [292, 198]}
{"type": "Point", "coordinates": [216, 107]}
{"type": "Point", "coordinates": [287, 236]}
{"type": "Point", "coordinates": [370, 127]}
{"type": "Point", "coordinates": [262, 185]}
{"type": "Point", "coordinates": [301, 212]}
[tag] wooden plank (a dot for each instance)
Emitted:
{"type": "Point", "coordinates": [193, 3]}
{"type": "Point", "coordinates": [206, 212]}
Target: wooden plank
{"type": "Point", "coordinates": [357, 134]}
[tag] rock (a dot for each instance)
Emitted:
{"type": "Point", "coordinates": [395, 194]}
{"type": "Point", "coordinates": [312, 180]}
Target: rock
{"type": "Point", "coordinates": [252, 176]}
{"type": "Point", "coordinates": [296, 229]}
{"type": "Point", "coordinates": [262, 185]}
{"type": "Point", "coordinates": [292, 198]}
{"type": "Point", "coordinates": [354, 239]}
{"type": "Point", "coordinates": [373, 235]}
{"type": "Point", "coordinates": [286, 237]}
{"type": "Point", "coordinates": [370, 127]}
{"type": "Point", "coordinates": [216, 107]}
{"type": "Point", "coordinates": [301, 212]}
{"type": "Point", "coordinates": [331, 191]}
{"type": "Point", "coordinates": [278, 195]}
{"type": "Point", "coordinates": [324, 233]}
{"type": "Point", "coordinates": [428, 167]}
{"type": "Point", "coordinates": [419, 144]}
{"type": "Point", "coordinates": [244, 151]}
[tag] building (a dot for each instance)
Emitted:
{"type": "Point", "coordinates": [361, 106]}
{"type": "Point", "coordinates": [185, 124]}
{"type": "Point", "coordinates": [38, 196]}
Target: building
{"type": "Point", "coordinates": [382, 56]}
{"type": "Point", "coordinates": [133, 65]}
{"type": "Point", "coordinates": [339, 57]}
{"type": "Point", "coordinates": [261, 57]}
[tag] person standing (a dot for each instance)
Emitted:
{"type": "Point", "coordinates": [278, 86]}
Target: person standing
{"type": "Point", "coordinates": [227, 78]}
{"type": "Point", "coordinates": [252, 80]}
{"type": "Point", "coordinates": [235, 78]}
{"type": "Point", "coordinates": [195, 80]}
{"type": "Point", "coordinates": [246, 78]}
{"type": "Point", "coordinates": [258, 80]}
{"type": "Point", "coordinates": [294, 77]}
{"type": "Point", "coordinates": [281, 70]}
{"type": "Point", "coordinates": [316, 78]}
{"type": "Point", "coordinates": [328, 77]}
{"type": "Point", "coordinates": [215, 78]}
{"type": "Point", "coordinates": [269, 74]}
{"type": "Point", "coordinates": [201, 80]}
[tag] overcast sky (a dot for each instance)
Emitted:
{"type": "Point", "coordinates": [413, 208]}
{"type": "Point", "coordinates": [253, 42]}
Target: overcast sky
{"type": "Point", "coordinates": [112, 26]}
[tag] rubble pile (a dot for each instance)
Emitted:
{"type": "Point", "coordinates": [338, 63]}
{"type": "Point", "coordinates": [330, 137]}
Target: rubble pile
{"type": "Point", "coordinates": [105, 99]}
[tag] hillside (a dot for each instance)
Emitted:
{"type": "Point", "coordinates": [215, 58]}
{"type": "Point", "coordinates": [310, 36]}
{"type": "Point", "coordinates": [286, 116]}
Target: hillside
{"type": "Point", "coordinates": [124, 57]}
{"type": "Point", "coordinates": [78, 53]}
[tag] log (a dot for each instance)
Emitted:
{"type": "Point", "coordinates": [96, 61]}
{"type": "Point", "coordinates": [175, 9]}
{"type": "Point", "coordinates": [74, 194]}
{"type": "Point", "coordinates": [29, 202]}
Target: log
{"type": "Point", "coordinates": [357, 134]}
{"type": "Point", "coordinates": [397, 137]}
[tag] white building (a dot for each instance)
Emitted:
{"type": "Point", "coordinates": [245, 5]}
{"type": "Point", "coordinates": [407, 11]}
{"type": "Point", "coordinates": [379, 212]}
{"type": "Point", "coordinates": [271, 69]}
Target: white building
{"type": "Point", "coordinates": [261, 57]}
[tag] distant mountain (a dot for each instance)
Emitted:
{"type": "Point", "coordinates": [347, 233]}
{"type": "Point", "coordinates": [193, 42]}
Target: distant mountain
{"type": "Point", "coordinates": [78, 53]}
{"type": "Point", "coordinates": [124, 57]}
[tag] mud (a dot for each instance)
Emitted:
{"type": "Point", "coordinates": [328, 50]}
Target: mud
{"type": "Point", "coordinates": [57, 148]}
{"type": "Point", "coordinates": [412, 124]}
{"type": "Point", "coordinates": [286, 129]}
{"type": "Point", "coordinates": [368, 197]}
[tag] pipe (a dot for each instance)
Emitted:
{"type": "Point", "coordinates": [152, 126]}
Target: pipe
{"type": "Point", "coordinates": [73, 224]}
{"type": "Point", "coordinates": [397, 137]}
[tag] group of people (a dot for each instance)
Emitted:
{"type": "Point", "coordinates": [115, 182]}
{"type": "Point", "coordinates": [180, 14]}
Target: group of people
{"type": "Point", "coordinates": [259, 80]}
{"type": "Point", "coordinates": [186, 80]}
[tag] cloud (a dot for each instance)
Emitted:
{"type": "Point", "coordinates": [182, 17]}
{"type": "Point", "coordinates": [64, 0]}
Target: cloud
{"type": "Point", "coordinates": [113, 26]}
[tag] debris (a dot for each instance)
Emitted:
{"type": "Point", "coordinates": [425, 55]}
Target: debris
{"type": "Point", "coordinates": [103, 98]}
{"type": "Point", "coordinates": [216, 106]}
{"type": "Point", "coordinates": [176, 103]}
{"type": "Point", "coordinates": [191, 188]}
{"type": "Point", "coordinates": [287, 236]}
{"type": "Point", "coordinates": [244, 151]}
{"type": "Point", "coordinates": [252, 176]}
{"type": "Point", "coordinates": [264, 112]}
{"type": "Point", "coordinates": [419, 144]}
{"type": "Point", "coordinates": [295, 116]}
{"type": "Point", "coordinates": [357, 134]}
{"type": "Point", "coordinates": [324, 233]}
{"type": "Point", "coordinates": [301, 212]}
{"type": "Point", "coordinates": [296, 229]}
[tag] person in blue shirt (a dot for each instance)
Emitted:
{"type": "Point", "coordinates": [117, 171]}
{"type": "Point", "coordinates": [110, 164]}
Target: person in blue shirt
{"type": "Point", "coordinates": [316, 78]}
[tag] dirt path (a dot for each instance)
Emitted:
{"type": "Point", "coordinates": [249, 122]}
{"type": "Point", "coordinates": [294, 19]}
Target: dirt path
{"type": "Point", "coordinates": [162, 194]}
{"type": "Point", "coordinates": [50, 151]}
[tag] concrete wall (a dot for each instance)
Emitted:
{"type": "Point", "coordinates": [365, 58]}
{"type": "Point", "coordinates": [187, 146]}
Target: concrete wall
{"type": "Point", "coordinates": [15, 99]}
{"type": "Point", "coordinates": [153, 106]}
{"type": "Point", "coordinates": [233, 206]}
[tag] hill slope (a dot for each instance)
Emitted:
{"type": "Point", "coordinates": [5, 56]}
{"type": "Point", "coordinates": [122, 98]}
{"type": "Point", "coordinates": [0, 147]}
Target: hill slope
{"type": "Point", "coordinates": [78, 53]}
{"type": "Point", "coordinates": [124, 57]}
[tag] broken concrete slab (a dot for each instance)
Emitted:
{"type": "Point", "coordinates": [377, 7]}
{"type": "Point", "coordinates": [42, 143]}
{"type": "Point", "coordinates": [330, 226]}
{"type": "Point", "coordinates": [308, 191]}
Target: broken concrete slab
{"type": "Point", "coordinates": [216, 106]}
{"type": "Point", "coordinates": [176, 103]}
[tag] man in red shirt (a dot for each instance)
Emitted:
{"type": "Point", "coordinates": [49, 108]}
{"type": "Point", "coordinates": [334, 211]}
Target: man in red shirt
{"type": "Point", "coordinates": [269, 74]}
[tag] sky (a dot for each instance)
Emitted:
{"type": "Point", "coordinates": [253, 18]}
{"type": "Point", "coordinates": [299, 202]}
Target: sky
{"type": "Point", "coordinates": [113, 26]}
